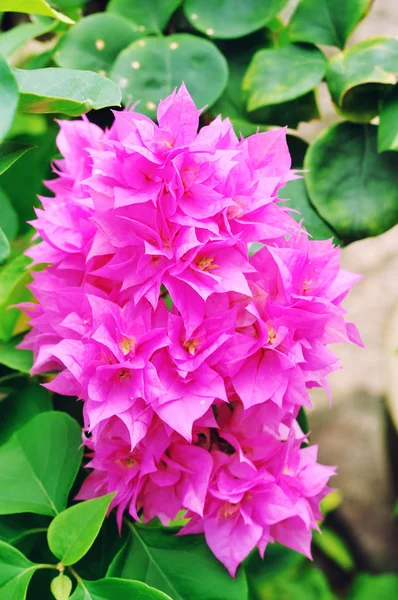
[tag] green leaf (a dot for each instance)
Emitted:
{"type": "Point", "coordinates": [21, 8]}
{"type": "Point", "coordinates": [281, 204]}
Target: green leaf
{"type": "Point", "coordinates": [13, 358]}
{"type": "Point", "coordinates": [332, 545]}
{"type": "Point", "coordinates": [11, 152]}
{"type": "Point", "coordinates": [370, 587]}
{"type": "Point", "coordinates": [352, 187]}
{"type": "Point", "coordinates": [150, 17]}
{"type": "Point", "coordinates": [20, 408]}
{"type": "Point", "coordinates": [33, 7]}
{"type": "Point", "coordinates": [39, 465]}
{"type": "Point", "coordinates": [15, 573]}
{"type": "Point", "coordinates": [61, 587]}
{"type": "Point", "coordinates": [105, 589]}
{"type": "Point", "coordinates": [151, 68]}
{"type": "Point", "coordinates": [13, 280]}
{"type": "Point", "coordinates": [8, 97]}
{"type": "Point", "coordinates": [296, 192]}
{"type": "Point", "coordinates": [359, 76]}
{"type": "Point", "coordinates": [289, 113]}
{"type": "Point", "coordinates": [8, 217]}
{"type": "Point", "coordinates": [95, 42]}
{"type": "Point", "coordinates": [182, 567]}
{"type": "Point", "coordinates": [72, 533]}
{"type": "Point", "coordinates": [278, 75]}
{"type": "Point", "coordinates": [226, 19]}
{"type": "Point", "coordinates": [387, 136]}
{"type": "Point", "coordinates": [325, 22]}
{"type": "Point", "coordinates": [4, 246]}
{"type": "Point", "coordinates": [16, 37]}
{"type": "Point", "coordinates": [64, 91]}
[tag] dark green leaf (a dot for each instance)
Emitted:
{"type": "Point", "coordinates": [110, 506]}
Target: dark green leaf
{"type": "Point", "coordinates": [95, 42]}
{"type": "Point", "coordinates": [61, 587]}
{"type": "Point", "coordinates": [359, 76]}
{"type": "Point", "coordinates": [15, 573]}
{"type": "Point", "coordinates": [231, 19]}
{"type": "Point", "coordinates": [278, 75]}
{"type": "Point", "coordinates": [151, 68]}
{"type": "Point", "coordinates": [110, 588]}
{"type": "Point", "coordinates": [325, 22]}
{"type": "Point", "coordinates": [13, 280]}
{"type": "Point", "coordinates": [11, 357]}
{"type": "Point", "coordinates": [352, 187]}
{"type": "Point", "coordinates": [8, 97]}
{"type": "Point", "coordinates": [64, 91]}
{"type": "Point", "coordinates": [182, 567]}
{"type": "Point", "coordinates": [150, 17]}
{"type": "Point", "coordinates": [33, 7]}
{"type": "Point", "coordinates": [387, 136]}
{"type": "Point", "coordinates": [20, 407]}
{"type": "Point", "coordinates": [4, 246]}
{"type": "Point", "coordinates": [39, 465]}
{"type": "Point", "coordinates": [289, 113]}
{"type": "Point", "coordinates": [8, 217]}
{"type": "Point", "coordinates": [332, 545]}
{"type": "Point", "coordinates": [11, 152]}
{"type": "Point", "coordinates": [12, 39]}
{"type": "Point", "coordinates": [72, 533]}
{"type": "Point", "coordinates": [370, 587]}
{"type": "Point", "coordinates": [296, 192]}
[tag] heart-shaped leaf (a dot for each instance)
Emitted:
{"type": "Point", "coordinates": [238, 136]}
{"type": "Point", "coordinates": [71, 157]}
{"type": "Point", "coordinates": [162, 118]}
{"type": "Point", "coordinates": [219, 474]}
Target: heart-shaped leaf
{"type": "Point", "coordinates": [11, 152]}
{"type": "Point", "coordinates": [8, 97]}
{"type": "Point", "coordinates": [352, 187]}
{"type": "Point", "coordinates": [72, 533]}
{"type": "Point", "coordinates": [182, 567]}
{"type": "Point", "coordinates": [64, 91]}
{"type": "Point", "coordinates": [16, 571]}
{"type": "Point", "coordinates": [325, 22]}
{"type": "Point", "coordinates": [359, 76]}
{"type": "Point", "coordinates": [105, 589]}
{"type": "Point", "coordinates": [387, 137]}
{"type": "Point", "coordinates": [150, 16]}
{"type": "Point", "coordinates": [278, 75]}
{"type": "Point", "coordinates": [94, 42]}
{"type": "Point", "coordinates": [34, 7]}
{"type": "Point", "coordinates": [226, 19]}
{"type": "Point", "coordinates": [39, 465]}
{"type": "Point", "coordinates": [151, 68]}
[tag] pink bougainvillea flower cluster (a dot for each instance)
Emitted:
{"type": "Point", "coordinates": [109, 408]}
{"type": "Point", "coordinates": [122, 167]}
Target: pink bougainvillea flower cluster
{"type": "Point", "coordinates": [192, 358]}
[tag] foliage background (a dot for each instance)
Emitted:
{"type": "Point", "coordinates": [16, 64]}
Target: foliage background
{"type": "Point", "coordinates": [357, 552]}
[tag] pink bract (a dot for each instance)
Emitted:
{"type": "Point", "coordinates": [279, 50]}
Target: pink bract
{"type": "Point", "coordinates": [192, 407]}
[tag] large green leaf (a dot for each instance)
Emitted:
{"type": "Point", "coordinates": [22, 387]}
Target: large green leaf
{"type": "Point", "coordinates": [182, 567]}
{"type": "Point", "coordinates": [33, 7]}
{"type": "Point", "coordinates": [387, 137]}
{"type": "Point", "coordinates": [61, 587]}
{"type": "Point", "coordinates": [8, 217]}
{"type": "Point", "coordinates": [4, 246]}
{"type": "Point", "coordinates": [326, 21]}
{"type": "Point", "coordinates": [370, 587]}
{"type": "Point", "coordinates": [150, 16]}
{"type": "Point", "coordinates": [64, 91]}
{"type": "Point", "coordinates": [72, 532]}
{"type": "Point", "coordinates": [231, 18]}
{"type": "Point", "coordinates": [353, 188]}
{"type": "Point", "coordinates": [13, 280]}
{"type": "Point", "coordinates": [94, 42]}
{"type": "Point", "coordinates": [20, 408]}
{"type": "Point", "coordinates": [110, 588]}
{"type": "Point", "coordinates": [13, 358]}
{"type": "Point", "coordinates": [296, 192]}
{"type": "Point", "coordinates": [151, 68]}
{"type": "Point", "coordinates": [39, 465]}
{"type": "Point", "coordinates": [359, 76]}
{"type": "Point", "coordinates": [8, 97]}
{"type": "Point", "coordinates": [278, 75]}
{"type": "Point", "coordinates": [15, 573]}
{"type": "Point", "coordinates": [12, 39]}
{"type": "Point", "coordinates": [11, 152]}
